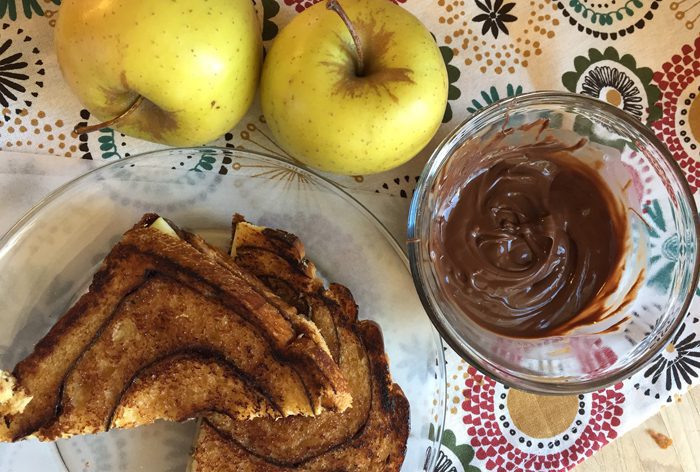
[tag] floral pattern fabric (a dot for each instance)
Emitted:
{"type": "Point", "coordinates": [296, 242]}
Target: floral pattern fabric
{"type": "Point", "coordinates": [639, 55]}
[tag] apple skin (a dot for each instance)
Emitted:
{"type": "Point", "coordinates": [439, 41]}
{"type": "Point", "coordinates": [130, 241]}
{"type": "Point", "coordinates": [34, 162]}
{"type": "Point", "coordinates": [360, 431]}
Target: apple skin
{"type": "Point", "coordinates": [196, 63]}
{"type": "Point", "coordinates": [326, 116]}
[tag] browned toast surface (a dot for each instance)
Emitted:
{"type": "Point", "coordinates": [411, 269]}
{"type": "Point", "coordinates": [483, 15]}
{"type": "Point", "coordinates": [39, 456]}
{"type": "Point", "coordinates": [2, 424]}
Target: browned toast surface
{"type": "Point", "coordinates": [179, 384]}
{"type": "Point", "coordinates": [369, 436]}
{"type": "Point", "coordinates": [160, 298]}
{"type": "Point", "coordinates": [298, 439]}
{"type": "Point", "coordinates": [380, 444]}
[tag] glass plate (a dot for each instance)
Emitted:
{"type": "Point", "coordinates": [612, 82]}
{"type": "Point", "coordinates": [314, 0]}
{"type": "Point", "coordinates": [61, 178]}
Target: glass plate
{"type": "Point", "coordinates": [48, 258]}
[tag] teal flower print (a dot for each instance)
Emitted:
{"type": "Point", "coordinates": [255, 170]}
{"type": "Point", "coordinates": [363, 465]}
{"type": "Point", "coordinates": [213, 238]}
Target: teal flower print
{"type": "Point", "coordinates": [453, 457]}
{"type": "Point", "coordinates": [29, 7]}
{"type": "Point", "coordinates": [662, 264]}
{"type": "Point", "coordinates": [492, 95]}
{"type": "Point", "coordinates": [453, 73]}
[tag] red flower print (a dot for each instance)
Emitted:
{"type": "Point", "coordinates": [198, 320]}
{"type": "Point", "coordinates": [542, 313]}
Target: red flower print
{"type": "Point", "coordinates": [501, 445]}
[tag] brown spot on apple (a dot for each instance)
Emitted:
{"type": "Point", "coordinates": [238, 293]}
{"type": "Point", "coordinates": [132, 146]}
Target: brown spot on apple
{"type": "Point", "coordinates": [376, 77]}
{"type": "Point", "coordinates": [112, 96]}
{"type": "Point", "coordinates": [116, 94]}
{"type": "Point", "coordinates": [123, 80]}
{"type": "Point", "coordinates": [152, 119]}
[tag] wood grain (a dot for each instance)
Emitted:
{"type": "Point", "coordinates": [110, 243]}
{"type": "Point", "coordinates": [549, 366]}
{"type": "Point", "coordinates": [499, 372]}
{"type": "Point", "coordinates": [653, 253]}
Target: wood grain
{"type": "Point", "coordinates": [636, 451]}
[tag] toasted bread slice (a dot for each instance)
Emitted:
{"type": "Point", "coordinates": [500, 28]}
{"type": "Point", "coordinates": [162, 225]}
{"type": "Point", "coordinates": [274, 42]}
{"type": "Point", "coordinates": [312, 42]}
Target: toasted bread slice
{"type": "Point", "coordinates": [13, 398]}
{"type": "Point", "coordinates": [170, 328]}
{"type": "Point", "coordinates": [380, 445]}
{"type": "Point", "coordinates": [180, 384]}
{"type": "Point", "coordinates": [371, 435]}
{"type": "Point", "coordinates": [278, 259]}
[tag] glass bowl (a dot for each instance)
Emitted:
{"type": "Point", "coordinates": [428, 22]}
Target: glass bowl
{"type": "Point", "coordinates": [48, 258]}
{"type": "Point", "coordinates": [657, 202]}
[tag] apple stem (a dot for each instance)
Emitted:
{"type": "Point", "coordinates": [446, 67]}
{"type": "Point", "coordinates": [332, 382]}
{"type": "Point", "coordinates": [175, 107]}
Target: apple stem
{"type": "Point", "coordinates": [78, 130]}
{"type": "Point", "coordinates": [335, 6]}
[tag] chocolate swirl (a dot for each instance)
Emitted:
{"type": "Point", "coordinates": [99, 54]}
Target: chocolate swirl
{"type": "Point", "coordinates": [529, 241]}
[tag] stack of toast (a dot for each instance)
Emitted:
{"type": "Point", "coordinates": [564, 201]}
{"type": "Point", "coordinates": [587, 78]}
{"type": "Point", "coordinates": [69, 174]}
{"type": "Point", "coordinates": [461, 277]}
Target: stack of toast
{"type": "Point", "coordinates": [280, 370]}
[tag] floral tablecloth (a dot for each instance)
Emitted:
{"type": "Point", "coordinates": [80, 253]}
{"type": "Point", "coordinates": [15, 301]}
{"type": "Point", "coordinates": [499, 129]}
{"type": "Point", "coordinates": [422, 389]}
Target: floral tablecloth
{"type": "Point", "coordinates": [642, 56]}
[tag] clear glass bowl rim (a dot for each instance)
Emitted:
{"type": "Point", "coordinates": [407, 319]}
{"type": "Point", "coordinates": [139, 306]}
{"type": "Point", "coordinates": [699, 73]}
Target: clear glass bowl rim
{"type": "Point", "coordinates": [417, 211]}
{"type": "Point", "coordinates": [17, 227]}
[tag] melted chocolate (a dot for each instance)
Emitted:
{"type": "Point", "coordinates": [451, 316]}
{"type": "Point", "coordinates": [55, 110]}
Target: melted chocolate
{"type": "Point", "coordinates": [528, 243]}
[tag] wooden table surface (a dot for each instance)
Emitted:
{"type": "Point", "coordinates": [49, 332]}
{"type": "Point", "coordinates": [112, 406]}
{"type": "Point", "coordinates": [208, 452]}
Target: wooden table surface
{"type": "Point", "coordinates": [636, 451]}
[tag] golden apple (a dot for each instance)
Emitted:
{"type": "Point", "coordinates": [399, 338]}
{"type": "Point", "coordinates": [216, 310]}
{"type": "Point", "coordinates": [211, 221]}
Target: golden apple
{"type": "Point", "coordinates": [195, 63]}
{"type": "Point", "coordinates": [348, 112]}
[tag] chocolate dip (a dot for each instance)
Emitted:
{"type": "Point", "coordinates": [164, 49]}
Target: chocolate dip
{"type": "Point", "coordinates": [530, 241]}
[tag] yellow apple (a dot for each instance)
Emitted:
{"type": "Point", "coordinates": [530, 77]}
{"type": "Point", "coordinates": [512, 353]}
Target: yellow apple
{"type": "Point", "coordinates": [329, 111]}
{"type": "Point", "coordinates": [196, 63]}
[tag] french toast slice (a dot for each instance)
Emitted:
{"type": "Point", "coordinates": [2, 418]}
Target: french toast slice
{"type": "Point", "coordinates": [13, 398]}
{"type": "Point", "coordinates": [369, 436]}
{"type": "Point", "coordinates": [172, 328]}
